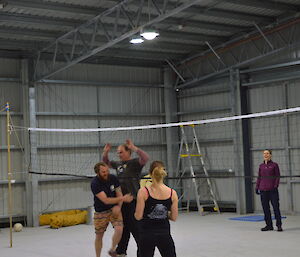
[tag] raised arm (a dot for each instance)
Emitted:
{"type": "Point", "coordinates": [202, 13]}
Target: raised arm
{"type": "Point", "coordinates": [143, 156]}
{"type": "Point", "coordinates": [105, 158]}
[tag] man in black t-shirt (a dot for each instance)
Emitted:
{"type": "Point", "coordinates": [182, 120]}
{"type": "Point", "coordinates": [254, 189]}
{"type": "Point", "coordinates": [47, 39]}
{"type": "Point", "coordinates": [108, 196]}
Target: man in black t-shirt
{"type": "Point", "coordinates": [128, 172]}
{"type": "Point", "coordinates": [108, 199]}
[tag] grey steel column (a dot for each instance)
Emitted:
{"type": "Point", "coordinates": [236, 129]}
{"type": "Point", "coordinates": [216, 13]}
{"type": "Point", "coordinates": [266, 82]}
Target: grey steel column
{"type": "Point", "coordinates": [171, 116]}
{"type": "Point", "coordinates": [290, 199]}
{"type": "Point", "coordinates": [25, 139]}
{"type": "Point", "coordinates": [99, 122]}
{"type": "Point", "coordinates": [33, 160]}
{"type": "Point", "coordinates": [239, 168]}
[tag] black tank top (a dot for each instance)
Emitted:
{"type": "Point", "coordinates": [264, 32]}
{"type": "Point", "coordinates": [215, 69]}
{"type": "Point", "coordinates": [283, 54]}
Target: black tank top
{"type": "Point", "coordinates": [155, 216]}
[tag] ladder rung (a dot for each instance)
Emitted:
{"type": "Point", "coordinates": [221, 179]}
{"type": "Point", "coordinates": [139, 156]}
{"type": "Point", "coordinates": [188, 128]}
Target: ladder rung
{"type": "Point", "coordinates": [215, 208]}
{"type": "Point", "coordinates": [187, 155]}
{"type": "Point", "coordinates": [191, 125]}
{"type": "Point", "coordinates": [207, 205]}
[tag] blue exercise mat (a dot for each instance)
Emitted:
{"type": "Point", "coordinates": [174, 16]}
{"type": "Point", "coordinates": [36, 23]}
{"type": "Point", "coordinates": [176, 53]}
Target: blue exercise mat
{"type": "Point", "coordinates": [251, 218]}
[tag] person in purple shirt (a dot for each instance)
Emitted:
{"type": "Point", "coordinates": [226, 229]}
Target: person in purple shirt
{"type": "Point", "coordinates": [267, 187]}
{"type": "Point", "coordinates": [128, 172]}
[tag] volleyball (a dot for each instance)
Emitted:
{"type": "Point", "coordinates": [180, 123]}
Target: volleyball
{"type": "Point", "coordinates": [18, 227]}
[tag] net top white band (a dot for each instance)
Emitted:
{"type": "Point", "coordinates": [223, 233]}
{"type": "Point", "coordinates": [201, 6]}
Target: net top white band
{"type": "Point", "coordinates": [175, 124]}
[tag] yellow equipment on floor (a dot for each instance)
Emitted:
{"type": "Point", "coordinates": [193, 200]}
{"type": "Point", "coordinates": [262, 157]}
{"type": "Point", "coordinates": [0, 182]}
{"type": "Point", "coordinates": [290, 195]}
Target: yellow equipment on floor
{"type": "Point", "coordinates": [63, 218]}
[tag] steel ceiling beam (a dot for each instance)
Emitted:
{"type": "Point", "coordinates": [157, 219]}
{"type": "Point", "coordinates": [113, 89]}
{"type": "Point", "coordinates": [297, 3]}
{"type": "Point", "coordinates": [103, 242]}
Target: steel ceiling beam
{"type": "Point", "coordinates": [97, 83]}
{"type": "Point", "coordinates": [25, 18]}
{"type": "Point", "coordinates": [13, 44]}
{"type": "Point", "coordinates": [228, 14]}
{"type": "Point", "coordinates": [232, 15]}
{"type": "Point", "coordinates": [190, 36]}
{"type": "Point", "coordinates": [205, 25]}
{"type": "Point", "coordinates": [67, 22]}
{"type": "Point", "coordinates": [72, 8]}
{"type": "Point", "coordinates": [43, 71]}
{"type": "Point", "coordinates": [125, 61]}
{"type": "Point", "coordinates": [54, 6]}
{"type": "Point", "coordinates": [25, 51]}
{"type": "Point", "coordinates": [111, 52]}
{"type": "Point", "coordinates": [239, 55]}
{"type": "Point", "coordinates": [169, 45]}
{"type": "Point", "coordinates": [271, 67]}
{"type": "Point", "coordinates": [14, 54]}
{"type": "Point", "coordinates": [270, 5]}
{"type": "Point", "coordinates": [162, 44]}
{"type": "Point", "coordinates": [277, 23]}
{"type": "Point", "coordinates": [170, 34]}
{"type": "Point", "coordinates": [165, 34]}
{"type": "Point", "coordinates": [37, 33]}
{"type": "Point", "coordinates": [142, 54]}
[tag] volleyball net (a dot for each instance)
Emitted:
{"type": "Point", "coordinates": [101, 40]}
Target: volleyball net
{"type": "Point", "coordinates": [64, 150]}
{"type": "Point", "coordinates": [74, 151]}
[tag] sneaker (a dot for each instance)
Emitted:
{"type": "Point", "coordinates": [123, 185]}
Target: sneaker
{"type": "Point", "coordinates": [112, 253]}
{"type": "Point", "coordinates": [279, 229]}
{"type": "Point", "coordinates": [267, 228]}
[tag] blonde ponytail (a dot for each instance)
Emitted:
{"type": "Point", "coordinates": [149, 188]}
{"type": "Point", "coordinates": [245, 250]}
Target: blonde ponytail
{"type": "Point", "coordinates": [158, 173]}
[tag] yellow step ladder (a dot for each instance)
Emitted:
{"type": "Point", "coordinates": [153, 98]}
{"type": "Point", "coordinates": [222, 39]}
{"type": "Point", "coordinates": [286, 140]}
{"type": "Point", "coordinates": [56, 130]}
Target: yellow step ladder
{"type": "Point", "coordinates": [187, 152]}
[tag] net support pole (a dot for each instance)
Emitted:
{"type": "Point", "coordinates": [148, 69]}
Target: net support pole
{"type": "Point", "coordinates": [25, 71]}
{"type": "Point", "coordinates": [9, 174]}
{"type": "Point", "coordinates": [171, 116]}
{"type": "Point", "coordinates": [33, 182]}
{"type": "Point", "coordinates": [287, 153]}
{"type": "Point", "coordinates": [238, 145]}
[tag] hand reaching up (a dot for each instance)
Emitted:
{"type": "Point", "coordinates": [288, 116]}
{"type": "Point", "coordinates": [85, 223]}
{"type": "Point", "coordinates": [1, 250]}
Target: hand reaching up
{"type": "Point", "coordinates": [130, 145]}
{"type": "Point", "coordinates": [107, 148]}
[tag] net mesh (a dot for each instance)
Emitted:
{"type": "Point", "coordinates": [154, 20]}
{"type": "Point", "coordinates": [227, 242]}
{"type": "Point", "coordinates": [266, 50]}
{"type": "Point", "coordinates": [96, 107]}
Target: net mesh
{"type": "Point", "coordinates": [72, 150]}
{"type": "Point", "coordinates": [75, 151]}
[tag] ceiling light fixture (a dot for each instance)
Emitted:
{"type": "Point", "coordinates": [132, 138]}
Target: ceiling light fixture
{"type": "Point", "coordinates": [136, 40]}
{"type": "Point", "coordinates": [149, 34]}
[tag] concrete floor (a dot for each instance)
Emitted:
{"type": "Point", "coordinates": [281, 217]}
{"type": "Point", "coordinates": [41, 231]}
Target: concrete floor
{"type": "Point", "coordinates": [195, 236]}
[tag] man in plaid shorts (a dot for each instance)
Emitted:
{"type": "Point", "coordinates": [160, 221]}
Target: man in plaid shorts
{"type": "Point", "coordinates": [108, 199]}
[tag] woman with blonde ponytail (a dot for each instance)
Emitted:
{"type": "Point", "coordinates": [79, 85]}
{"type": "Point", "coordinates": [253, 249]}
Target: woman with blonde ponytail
{"type": "Point", "coordinates": [156, 205]}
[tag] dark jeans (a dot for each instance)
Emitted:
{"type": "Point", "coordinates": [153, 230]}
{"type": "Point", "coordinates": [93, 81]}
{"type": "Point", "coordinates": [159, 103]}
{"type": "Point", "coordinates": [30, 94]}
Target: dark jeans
{"type": "Point", "coordinates": [273, 197]}
{"type": "Point", "coordinates": [130, 226]}
{"type": "Point", "coordinates": [164, 243]}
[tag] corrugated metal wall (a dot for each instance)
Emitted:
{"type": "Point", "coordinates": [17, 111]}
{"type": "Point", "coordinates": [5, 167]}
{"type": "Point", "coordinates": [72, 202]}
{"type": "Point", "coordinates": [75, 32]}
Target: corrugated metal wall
{"type": "Point", "coordinates": [212, 100]}
{"type": "Point", "coordinates": [209, 99]}
{"type": "Point", "coordinates": [270, 90]}
{"type": "Point", "coordinates": [281, 134]}
{"type": "Point", "coordinates": [70, 100]}
{"type": "Point", "coordinates": [90, 106]}
{"type": "Point", "coordinates": [11, 91]}
{"type": "Point", "coordinates": [77, 101]}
